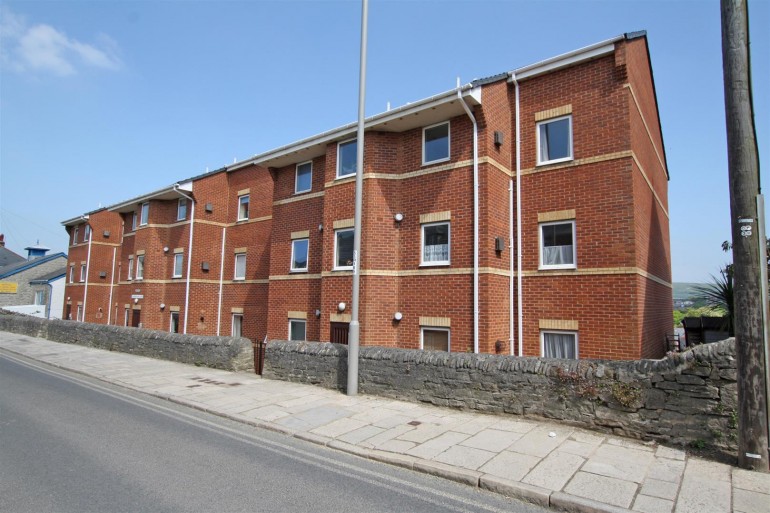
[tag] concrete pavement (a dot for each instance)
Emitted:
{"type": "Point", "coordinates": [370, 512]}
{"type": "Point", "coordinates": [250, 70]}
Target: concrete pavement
{"type": "Point", "coordinates": [546, 463]}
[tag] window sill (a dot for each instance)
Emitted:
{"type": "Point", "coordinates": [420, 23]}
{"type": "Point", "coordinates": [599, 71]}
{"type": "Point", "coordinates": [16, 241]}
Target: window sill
{"type": "Point", "coordinates": [558, 268]}
{"type": "Point", "coordinates": [297, 271]}
{"type": "Point", "coordinates": [432, 162]}
{"type": "Point", "coordinates": [343, 268]}
{"type": "Point", "coordinates": [555, 161]}
{"type": "Point", "coordinates": [297, 193]}
{"type": "Point", "coordinates": [351, 175]}
{"type": "Point", "coordinates": [435, 264]}
{"type": "Point", "coordinates": [241, 220]}
{"type": "Point", "coordinates": [239, 279]}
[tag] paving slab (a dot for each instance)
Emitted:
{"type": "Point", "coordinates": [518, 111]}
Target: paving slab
{"type": "Point", "coordinates": [647, 504]}
{"type": "Point", "coordinates": [620, 462]}
{"type": "Point", "coordinates": [747, 501]}
{"type": "Point", "coordinates": [706, 488]}
{"type": "Point", "coordinates": [607, 490]}
{"type": "Point", "coordinates": [660, 489]}
{"type": "Point", "coordinates": [539, 442]}
{"type": "Point", "coordinates": [510, 465]}
{"type": "Point", "coordinates": [436, 446]}
{"type": "Point", "coordinates": [554, 471]}
{"type": "Point", "coordinates": [465, 457]}
{"type": "Point", "coordinates": [492, 440]}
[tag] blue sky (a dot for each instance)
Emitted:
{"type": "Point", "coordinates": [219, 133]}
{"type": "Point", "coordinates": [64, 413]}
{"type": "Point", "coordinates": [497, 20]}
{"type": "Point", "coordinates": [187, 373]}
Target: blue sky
{"type": "Point", "coordinates": [101, 101]}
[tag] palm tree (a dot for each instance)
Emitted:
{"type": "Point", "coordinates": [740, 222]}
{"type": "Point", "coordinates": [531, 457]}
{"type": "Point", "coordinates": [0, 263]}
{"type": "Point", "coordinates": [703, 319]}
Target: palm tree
{"type": "Point", "coordinates": [719, 294]}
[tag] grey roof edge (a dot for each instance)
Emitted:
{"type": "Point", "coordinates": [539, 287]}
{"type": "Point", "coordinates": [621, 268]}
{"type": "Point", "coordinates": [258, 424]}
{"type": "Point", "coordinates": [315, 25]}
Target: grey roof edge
{"type": "Point", "coordinates": [12, 269]}
{"type": "Point", "coordinates": [54, 275]}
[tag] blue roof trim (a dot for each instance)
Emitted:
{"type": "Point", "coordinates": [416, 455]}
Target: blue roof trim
{"type": "Point", "coordinates": [28, 264]}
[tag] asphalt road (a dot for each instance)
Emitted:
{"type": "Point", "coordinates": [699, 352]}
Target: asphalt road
{"type": "Point", "coordinates": [72, 444]}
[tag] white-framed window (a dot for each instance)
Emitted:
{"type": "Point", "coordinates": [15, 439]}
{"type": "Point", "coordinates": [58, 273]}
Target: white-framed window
{"type": "Point", "coordinates": [243, 207]}
{"type": "Point", "coordinates": [297, 329]}
{"type": "Point", "coordinates": [130, 268]}
{"type": "Point", "coordinates": [87, 233]}
{"type": "Point", "coordinates": [140, 267]}
{"type": "Point", "coordinates": [134, 218]}
{"type": "Point", "coordinates": [82, 272]}
{"type": "Point", "coordinates": [303, 178]}
{"type": "Point", "coordinates": [299, 255]}
{"type": "Point", "coordinates": [72, 274]}
{"type": "Point", "coordinates": [435, 143]}
{"type": "Point", "coordinates": [343, 249]}
{"type": "Point", "coordinates": [75, 235]}
{"type": "Point", "coordinates": [435, 244]}
{"type": "Point", "coordinates": [434, 339]}
{"type": "Point", "coordinates": [559, 344]}
{"type": "Point", "coordinates": [554, 140]}
{"type": "Point", "coordinates": [557, 245]}
{"type": "Point", "coordinates": [237, 328]}
{"type": "Point", "coordinates": [240, 266]}
{"type": "Point", "coordinates": [174, 324]}
{"type": "Point", "coordinates": [144, 213]}
{"type": "Point", "coordinates": [346, 158]}
{"type": "Point", "coordinates": [181, 209]}
{"type": "Point", "coordinates": [178, 265]}
{"type": "Point", "coordinates": [79, 314]}
{"type": "Point", "coordinates": [39, 297]}
{"type": "Point", "coordinates": [126, 316]}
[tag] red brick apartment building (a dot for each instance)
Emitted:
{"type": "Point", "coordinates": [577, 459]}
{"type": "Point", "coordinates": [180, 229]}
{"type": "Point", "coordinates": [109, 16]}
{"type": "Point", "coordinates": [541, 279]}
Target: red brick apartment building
{"type": "Point", "coordinates": [525, 213]}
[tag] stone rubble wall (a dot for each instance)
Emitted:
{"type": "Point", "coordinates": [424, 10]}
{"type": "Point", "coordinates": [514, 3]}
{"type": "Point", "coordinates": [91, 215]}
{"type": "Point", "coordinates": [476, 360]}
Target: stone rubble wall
{"type": "Point", "coordinates": [228, 353]}
{"type": "Point", "coordinates": [684, 398]}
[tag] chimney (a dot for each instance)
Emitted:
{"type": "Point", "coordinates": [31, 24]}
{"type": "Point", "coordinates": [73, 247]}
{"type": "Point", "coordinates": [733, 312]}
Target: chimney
{"type": "Point", "coordinates": [2, 240]}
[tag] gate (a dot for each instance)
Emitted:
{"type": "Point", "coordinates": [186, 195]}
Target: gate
{"type": "Point", "coordinates": [259, 355]}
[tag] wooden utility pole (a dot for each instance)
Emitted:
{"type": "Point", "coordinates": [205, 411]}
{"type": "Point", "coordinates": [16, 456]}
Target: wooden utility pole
{"type": "Point", "coordinates": [743, 170]}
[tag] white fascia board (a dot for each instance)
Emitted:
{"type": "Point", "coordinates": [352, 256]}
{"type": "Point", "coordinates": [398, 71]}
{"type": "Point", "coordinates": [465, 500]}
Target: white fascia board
{"type": "Point", "coordinates": [346, 131]}
{"type": "Point", "coordinates": [129, 205]}
{"type": "Point", "coordinates": [567, 59]}
{"type": "Point", "coordinates": [185, 186]}
{"type": "Point", "coordinates": [75, 220]}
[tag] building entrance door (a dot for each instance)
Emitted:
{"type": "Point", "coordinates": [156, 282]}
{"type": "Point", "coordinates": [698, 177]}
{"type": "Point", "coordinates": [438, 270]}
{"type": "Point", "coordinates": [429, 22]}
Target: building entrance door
{"type": "Point", "coordinates": [136, 316]}
{"type": "Point", "coordinates": [339, 332]}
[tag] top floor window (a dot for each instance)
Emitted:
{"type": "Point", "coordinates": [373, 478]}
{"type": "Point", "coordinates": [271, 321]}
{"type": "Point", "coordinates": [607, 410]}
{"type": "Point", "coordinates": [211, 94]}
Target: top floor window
{"type": "Point", "coordinates": [133, 221]}
{"type": "Point", "coordinates": [303, 181]}
{"type": "Point", "coordinates": [87, 233]}
{"type": "Point", "coordinates": [181, 209]}
{"type": "Point", "coordinates": [554, 140]}
{"type": "Point", "coordinates": [435, 143]}
{"type": "Point", "coordinates": [243, 207]}
{"type": "Point", "coordinates": [347, 153]}
{"type": "Point", "coordinates": [75, 235]}
{"type": "Point", "coordinates": [145, 214]}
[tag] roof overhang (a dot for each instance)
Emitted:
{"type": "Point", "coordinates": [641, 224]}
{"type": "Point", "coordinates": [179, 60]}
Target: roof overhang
{"type": "Point", "coordinates": [412, 115]}
{"type": "Point", "coordinates": [75, 220]}
{"type": "Point", "coordinates": [566, 60]}
{"type": "Point", "coordinates": [171, 192]}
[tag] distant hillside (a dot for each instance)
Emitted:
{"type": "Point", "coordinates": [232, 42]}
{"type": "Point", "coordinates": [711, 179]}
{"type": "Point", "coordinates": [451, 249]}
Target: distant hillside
{"type": "Point", "coordinates": [685, 290]}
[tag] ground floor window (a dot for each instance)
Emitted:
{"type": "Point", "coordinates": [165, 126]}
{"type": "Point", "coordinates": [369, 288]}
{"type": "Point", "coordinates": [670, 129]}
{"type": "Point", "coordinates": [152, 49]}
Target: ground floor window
{"type": "Point", "coordinates": [297, 329]}
{"type": "Point", "coordinates": [80, 313]}
{"type": "Point", "coordinates": [40, 297]}
{"type": "Point", "coordinates": [559, 344]}
{"type": "Point", "coordinates": [435, 339]}
{"type": "Point", "coordinates": [174, 326]}
{"type": "Point", "coordinates": [237, 329]}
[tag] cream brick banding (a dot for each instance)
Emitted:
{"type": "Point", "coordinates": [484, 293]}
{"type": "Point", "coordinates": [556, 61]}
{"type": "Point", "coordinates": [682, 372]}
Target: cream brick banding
{"type": "Point", "coordinates": [439, 322]}
{"type": "Point", "coordinates": [343, 223]}
{"type": "Point", "coordinates": [555, 324]}
{"type": "Point", "coordinates": [558, 215]}
{"type": "Point", "coordinates": [295, 314]}
{"type": "Point", "coordinates": [553, 113]}
{"type": "Point", "coordinates": [300, 235]}
{"type": "Point", "coordinates": [299, 198]}
{"type": "Point", "coordinates": [435, 217]}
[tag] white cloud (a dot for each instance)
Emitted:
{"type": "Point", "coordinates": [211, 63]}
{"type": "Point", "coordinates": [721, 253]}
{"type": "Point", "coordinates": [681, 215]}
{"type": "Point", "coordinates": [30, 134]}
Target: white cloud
{"type": "Point", "coordinates": [43, 48]}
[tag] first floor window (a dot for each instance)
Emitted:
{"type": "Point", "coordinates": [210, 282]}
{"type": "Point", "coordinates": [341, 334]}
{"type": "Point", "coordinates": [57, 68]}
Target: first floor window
{"type": "Point", "coordinates": [72, 274]}
{"type": "Point", "coordinates": [145, 214]}
{"type": "Point", "coordinates": [299, 250]}
{"type": "Point", "coordinates": [140, 267]}
{"type": "Point", "coordinates": [82, 272]}
{"type": "Point", "coordinates": [297, 329]}
{"type": "Point", "coordinates": [554, 140]}
{"type": "Point", "coordinates": [435, 244]}
{"type": "Point", "coordinates": [304, 178]}
{"type": "Point", "coordinates": [178, 264]}
{"type": "Point", "coordinates": [39, 297]}
{"type": "Point", "coordinates": [343, 249]}
{"type": "Point", "coordinates": [243, 207]}
{"type": "Point", "coordinates": [181, 209]}
{"type": "Point", "coordinates": [174, 326]}
{"type": "Point", "coordinates": [435, 339]}
{"type": "Point", "coordinates": [130, 268]}
{"type": "Point", "coordinates": [557, 245]}
{"type": "Point", "coordinates": [559, 344]}
{"type": "Point", "coordinates": [347, 154]}
{"type": "Point", "coordinates": [240, 266]}
{"type": "Point", "coordinates": [237, 325]}
{"type": "Point", "coordinates": [435, 143]}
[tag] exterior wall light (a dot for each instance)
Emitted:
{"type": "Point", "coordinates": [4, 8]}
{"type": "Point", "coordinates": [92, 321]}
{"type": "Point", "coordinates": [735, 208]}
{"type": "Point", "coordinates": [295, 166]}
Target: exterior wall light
{"type": "Point", "coordinates": [398, 316]}
{"type": "Point", "coordinates": [162, 306]}
{"type": "Point", "coordinates": [341, 306]}
{"type": "Point", "coordinates": [318, 313]}
{"type": "Point", "coordinates": [399, 217]}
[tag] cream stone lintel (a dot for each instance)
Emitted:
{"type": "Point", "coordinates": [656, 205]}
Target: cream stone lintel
{"type": "Point", "coordinates": [240, 250]}
{"type": "Point", "coordinates": [137, 307]}
{"type": "Point", "coordinates": [552, 324]}
{"type": "Point", "coordinates": [140, 252]}
{"type": "Point", "coordinates": [292, 314]}
{"type": "Point", "coordinates": [80, 303]}
{"type": "Point", "coordinates": [439, 322]}
{"type": "Point", "coordinates": [553, 113]}
{"type": "Point", "coordinates": [435, 217]}
{"type": "Point", "coordinates": [579, 162]}
{"type": "Point", "coordinates": [338, 317]}
{"type": "Point", "coordinates": [559, 215]}
{"type": "Point", "coordinates": [243, 191]}
{"type": "Point", "coordinates": [236, 310]}
{"type": "Point", "coordinates": [178, 250]}
{"type": "Point", "coordinates": [300, 235]}
{"type": "Point", "coordinates": [173, 309]}
{"type": "Point", "coordinates": [127, 305]}
{"type": "Point", "coordinates": [82, 262]}
{"type": "Point", "coordinates": [343, 223]}
{"type": "Point", "coordinates": [299, 198]}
